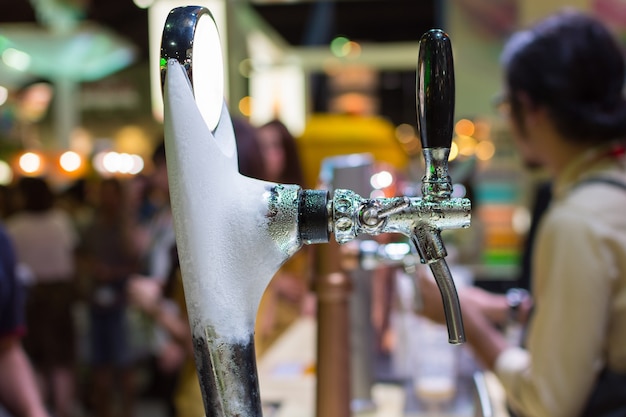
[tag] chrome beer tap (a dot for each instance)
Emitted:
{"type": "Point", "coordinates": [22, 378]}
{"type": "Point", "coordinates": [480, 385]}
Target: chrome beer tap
{"type": "Point", "coordinates": [420, 219]}
{"type": "Point", "coordinates": [234, 232]}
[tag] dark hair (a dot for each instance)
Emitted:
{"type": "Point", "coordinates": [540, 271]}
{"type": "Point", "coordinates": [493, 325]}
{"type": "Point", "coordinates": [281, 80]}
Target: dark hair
{"type": "Point", "coordinates": [36, 194]}
{"type": "Point", "coordinates": [248, 150]}
{"type": "Point", "coordinates": [572, 64]}
{"type": "Point", "coordinates": [158, 154]}
{"type": "Point", "coordinates": [293, 168]}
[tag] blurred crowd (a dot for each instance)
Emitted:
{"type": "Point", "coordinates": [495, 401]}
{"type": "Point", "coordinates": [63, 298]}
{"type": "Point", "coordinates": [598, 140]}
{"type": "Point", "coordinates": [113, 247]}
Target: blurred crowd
{"type": "Point", "coordinates": [96, 263]}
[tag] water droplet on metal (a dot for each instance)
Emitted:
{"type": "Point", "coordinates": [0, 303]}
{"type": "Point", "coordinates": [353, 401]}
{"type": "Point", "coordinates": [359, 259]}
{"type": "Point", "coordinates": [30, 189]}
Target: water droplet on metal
{"type": "Point", "coordinates": [343, 206]}
{"type": "Point", "coordinates": [343, 224]}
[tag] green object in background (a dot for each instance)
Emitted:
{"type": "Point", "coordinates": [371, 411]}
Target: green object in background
{"type": "Point", "coordinates": [496, 192]}
{"type": "Point", "coordinates": [501, 257]}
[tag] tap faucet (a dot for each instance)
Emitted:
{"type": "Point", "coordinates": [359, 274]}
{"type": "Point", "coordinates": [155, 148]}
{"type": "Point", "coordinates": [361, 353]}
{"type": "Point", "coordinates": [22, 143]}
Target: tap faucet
{"type": "Point", "coordinates": [234, 232]}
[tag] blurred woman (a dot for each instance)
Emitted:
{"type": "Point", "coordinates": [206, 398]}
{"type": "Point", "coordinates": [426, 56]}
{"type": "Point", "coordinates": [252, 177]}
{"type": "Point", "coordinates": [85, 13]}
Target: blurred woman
{"type": "Point", "coordinates": [280, 154]}
{"type": "Point", "coordinates": [285, 298]}
{"type": "Point", "coordinates": [109, 257]}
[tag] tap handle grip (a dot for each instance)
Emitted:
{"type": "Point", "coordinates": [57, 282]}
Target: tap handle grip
{"type": "Point", "coordinates": [435, 90]}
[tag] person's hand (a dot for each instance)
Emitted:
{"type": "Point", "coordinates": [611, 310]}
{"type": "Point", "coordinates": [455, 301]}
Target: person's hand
{"type": "Point", "coordinates": [289, 287]}
{"type": "Point", "coordinates": [145, 293]}
{"type": "Point", "coordinates": [171, 357]}
{"type": "Point", "coordinates": [493, 306]}
{"type": "Point", "coordinates": [430, 304]}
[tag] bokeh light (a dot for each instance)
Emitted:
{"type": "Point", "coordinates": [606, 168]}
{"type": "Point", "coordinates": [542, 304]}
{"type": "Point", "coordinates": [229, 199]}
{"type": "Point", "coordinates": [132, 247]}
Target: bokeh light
{"type": "Point", "coordinates": [6, 174]}
{"type": "Point", "coordinates": [382, 179]}
{"type": "Point", "coordinates": [30, 163]}
{"type": "Point", "coordinates": [70, 161]}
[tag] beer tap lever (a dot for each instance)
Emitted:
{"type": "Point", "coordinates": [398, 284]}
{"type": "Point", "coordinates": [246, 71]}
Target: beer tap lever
{"type": "Point", "coordinates": [435, 118]}
{"type": "Point", "coordinates": [420, 219]}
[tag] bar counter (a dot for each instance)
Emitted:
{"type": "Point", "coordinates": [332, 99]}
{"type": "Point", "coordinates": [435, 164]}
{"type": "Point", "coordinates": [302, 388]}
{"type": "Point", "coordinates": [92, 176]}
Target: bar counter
{"type": "Point", "coordinates": [288, 384]}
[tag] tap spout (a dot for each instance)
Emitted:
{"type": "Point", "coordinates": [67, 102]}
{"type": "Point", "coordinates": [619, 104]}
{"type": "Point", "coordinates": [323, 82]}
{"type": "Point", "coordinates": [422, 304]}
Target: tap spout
{"type": "Point", "coordinates": [421, 220]}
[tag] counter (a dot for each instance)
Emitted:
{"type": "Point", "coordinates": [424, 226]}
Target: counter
{"type": "Point", "coordinates": [287, 383]}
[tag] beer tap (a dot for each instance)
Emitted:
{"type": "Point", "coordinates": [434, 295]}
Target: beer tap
{"type": "Point", "coordinates": [234, 232]}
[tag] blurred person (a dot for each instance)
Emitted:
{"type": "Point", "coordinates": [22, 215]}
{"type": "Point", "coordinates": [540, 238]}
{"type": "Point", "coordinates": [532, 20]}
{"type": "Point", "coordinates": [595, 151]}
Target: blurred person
{"type": "Point", "coordinates": [75, 200]}
{"type": "Point", "coordinates": [165, 304]}
{"type": "Point", "coordinates": [285, 298]}
{"type": "Point", "coordinates": [155, 238]}
{"type": "Point", "coordinates": [140, 201]}
{"type": "Point", "coordinates": [280, 153]}
{"type": "Point", "coordinates": [109, 256]}
{"type": "Point", "coordinates": [5, 201]}
{"type": "Point", "coordinates": [19, 393]}
{"type": "Point", "coordinates": [45, 240]}
{"type": "Point", "coordinates": [158, 231]}
{"type": "Point", "coordinates": [563, 80]}
{"type": "Point", "coordinates": [249, 153]}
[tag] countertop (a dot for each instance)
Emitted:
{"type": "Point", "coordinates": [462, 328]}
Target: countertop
{"type": "Point", "coordinates": [287, 383]}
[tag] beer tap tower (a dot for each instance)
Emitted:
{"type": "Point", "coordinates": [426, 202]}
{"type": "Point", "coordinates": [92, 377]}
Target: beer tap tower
{"type": "Point", "coordinates": [234, 232]}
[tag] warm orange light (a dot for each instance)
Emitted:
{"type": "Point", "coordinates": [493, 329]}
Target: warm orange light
{"type": "Point", "coordinates": [245, 105]}
{"type": "Point", "coordinates": [466, 144]}
{"type": "Point", "coordinates": [352, 49]}
{"type": "Point", "coordinates": [485, 150]}
{"type": "Point", "coordinates": [482, 130]}
{"type": "Point", "coordinates": [464, 127]}
{"type": "Point", "coordinates": [405, 133]}
{"type": "Point", "coordinates": [454, 151]}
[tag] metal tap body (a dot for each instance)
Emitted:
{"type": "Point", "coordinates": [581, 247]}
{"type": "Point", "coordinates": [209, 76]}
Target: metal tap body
{"type": "Point", "coordinates": [420, 219]}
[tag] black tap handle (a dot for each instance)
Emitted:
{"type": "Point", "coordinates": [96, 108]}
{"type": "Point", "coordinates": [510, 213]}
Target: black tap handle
{"type": "Point", "coordinates": [435, 90]}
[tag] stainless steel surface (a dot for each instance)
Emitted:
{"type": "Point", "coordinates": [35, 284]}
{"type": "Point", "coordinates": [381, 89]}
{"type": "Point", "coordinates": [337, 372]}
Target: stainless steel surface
{"type": "Point", "coordinates": [422, 221]}
{"type": "Point", "coordinates": [436, 183]}
{"type": "Point", "coordinates": [228, 377]}
{"type": "Point", "coordinates": [482, 399]}
{"type": "Point", "coordinates": [451, 305]}
{"type": "Point", "coordinates": [348, 208]}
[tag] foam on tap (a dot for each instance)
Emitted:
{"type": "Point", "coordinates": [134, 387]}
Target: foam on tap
{"type": "Point", "coordinates": [227, 255]}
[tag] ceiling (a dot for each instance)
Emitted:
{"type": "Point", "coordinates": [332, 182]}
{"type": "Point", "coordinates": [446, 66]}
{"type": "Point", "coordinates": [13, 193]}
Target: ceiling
{"type": "Point", "coordinates": [122, 16]}
{"type": "Point", "coordinates": [381, 21]}
{"type": "Point", "coordinates": [300, 23]}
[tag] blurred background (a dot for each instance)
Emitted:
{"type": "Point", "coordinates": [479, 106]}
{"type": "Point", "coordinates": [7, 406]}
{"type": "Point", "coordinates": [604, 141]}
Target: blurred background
{"type": "Point", "coordinates": [80, 98]}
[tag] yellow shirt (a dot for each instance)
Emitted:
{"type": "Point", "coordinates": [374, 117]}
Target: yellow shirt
{"type": "Point", "coordinates": [188, 396]}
